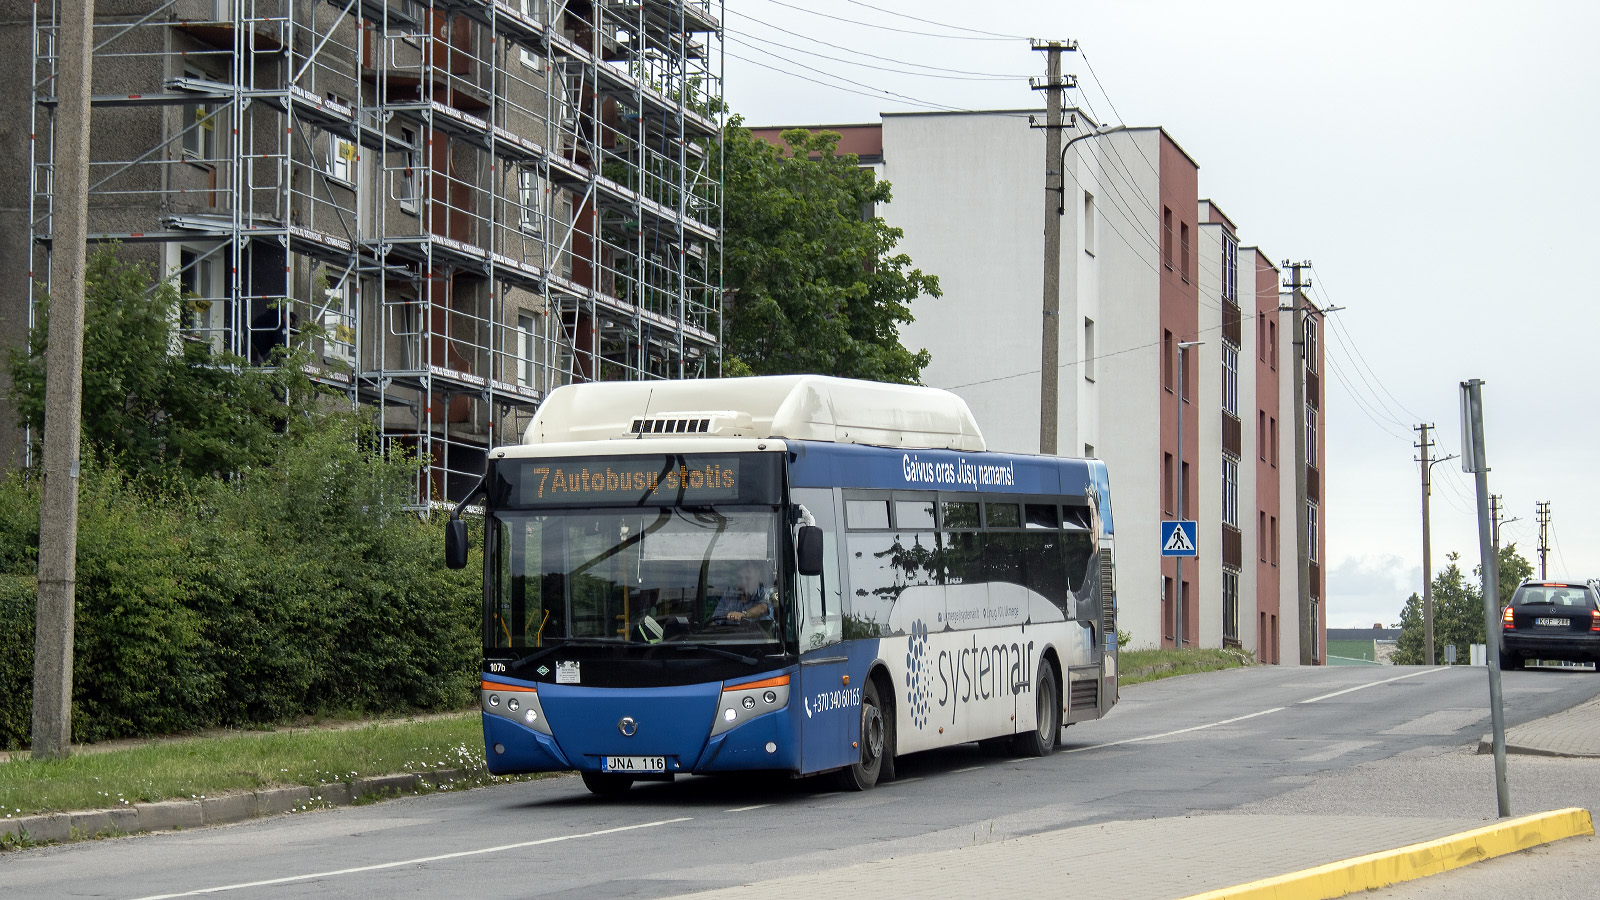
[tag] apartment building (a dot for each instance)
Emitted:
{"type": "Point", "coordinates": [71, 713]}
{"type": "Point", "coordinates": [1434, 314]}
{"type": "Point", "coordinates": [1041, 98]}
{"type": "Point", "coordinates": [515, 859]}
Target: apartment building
{"type": "Point", "coordinates": [1161, 310]}
{"type": "Point", "coordinates": [458, 204]}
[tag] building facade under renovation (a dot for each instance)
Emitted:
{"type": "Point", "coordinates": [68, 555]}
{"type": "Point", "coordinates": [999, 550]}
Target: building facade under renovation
{"type": "Point", "coordinates": [457, 204]}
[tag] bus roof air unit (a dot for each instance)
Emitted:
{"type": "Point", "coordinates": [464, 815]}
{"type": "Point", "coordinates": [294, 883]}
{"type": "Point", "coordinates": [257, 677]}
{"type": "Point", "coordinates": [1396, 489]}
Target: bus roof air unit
{"type": "Point", "coordinates": [796, 407]}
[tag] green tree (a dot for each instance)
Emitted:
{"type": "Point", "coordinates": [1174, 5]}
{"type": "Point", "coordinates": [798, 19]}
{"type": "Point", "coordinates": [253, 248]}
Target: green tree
{"type": "Point", "coordinates": [1457, 609]}
{"type": "Point", "coordinates": [813, 282]}
{"type": "Point", "coordinates": [161, 405]}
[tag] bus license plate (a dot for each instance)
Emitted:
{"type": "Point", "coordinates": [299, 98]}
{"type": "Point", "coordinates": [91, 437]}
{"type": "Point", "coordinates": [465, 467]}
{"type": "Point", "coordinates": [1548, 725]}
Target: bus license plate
{"type": "Point", "coordinates": [1562, 623]}
{"type": "Point", "coordinates": [635, 764]}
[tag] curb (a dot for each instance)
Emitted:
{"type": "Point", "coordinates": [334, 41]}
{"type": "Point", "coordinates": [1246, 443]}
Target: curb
{"type": "Point", "coordinates": [1486, 745]}
{"type": "Point", "coordinates": [1376, 870]}
{"type": "Point", "coordinates": [169, 815]}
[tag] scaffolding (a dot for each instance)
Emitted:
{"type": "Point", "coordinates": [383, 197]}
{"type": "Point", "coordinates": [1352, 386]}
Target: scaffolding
{"type": "Point", "coordinates": [458, 205]}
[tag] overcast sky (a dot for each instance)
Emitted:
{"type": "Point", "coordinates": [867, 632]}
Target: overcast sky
{"type": "Point", "coordinates": [1436, 161]}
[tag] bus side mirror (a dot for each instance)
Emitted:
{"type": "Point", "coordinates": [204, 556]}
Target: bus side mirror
{"type": "Point", "coordinates": [808, 547]}
{"type": "Point", "coordinates": [455, 544]}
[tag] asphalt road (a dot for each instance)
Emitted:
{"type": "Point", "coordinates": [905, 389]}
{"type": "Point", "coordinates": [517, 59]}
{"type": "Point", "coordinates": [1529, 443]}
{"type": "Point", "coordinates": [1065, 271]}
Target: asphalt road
{"type": "Point", "coordinates": [1338, 741]}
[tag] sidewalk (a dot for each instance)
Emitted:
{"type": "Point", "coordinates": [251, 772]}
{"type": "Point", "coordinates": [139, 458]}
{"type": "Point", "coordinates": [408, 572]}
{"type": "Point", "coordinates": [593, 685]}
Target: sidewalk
{"type": "Point", "coordinates": [1167, 859]}
{"type": "Point", "coordinates": [1572, 732]}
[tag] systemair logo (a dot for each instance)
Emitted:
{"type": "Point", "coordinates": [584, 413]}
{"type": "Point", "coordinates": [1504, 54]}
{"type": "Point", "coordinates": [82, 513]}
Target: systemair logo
{"type": "Point", "coordinates": [919, 675]}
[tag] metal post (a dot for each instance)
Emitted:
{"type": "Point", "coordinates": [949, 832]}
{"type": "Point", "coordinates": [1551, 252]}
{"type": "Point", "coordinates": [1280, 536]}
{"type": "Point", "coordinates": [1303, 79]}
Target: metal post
{"type": "Point", "coordinates": [1474, 459]}
{"type": "Point", "coordinates": [58, 509]}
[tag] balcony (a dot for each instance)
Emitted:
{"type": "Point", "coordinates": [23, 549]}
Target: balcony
{"type": "Point", "coordinates": [1232, 547]}
{"type": "Point", "coordinates": [1232, 435]}
{"type": "Point", "coordinates": [1313, 484]}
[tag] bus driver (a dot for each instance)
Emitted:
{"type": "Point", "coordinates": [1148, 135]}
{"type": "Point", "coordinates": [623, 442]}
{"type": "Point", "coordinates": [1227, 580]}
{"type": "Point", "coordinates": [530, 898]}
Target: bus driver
{"type": "Point", "coordinates": [748, 599]}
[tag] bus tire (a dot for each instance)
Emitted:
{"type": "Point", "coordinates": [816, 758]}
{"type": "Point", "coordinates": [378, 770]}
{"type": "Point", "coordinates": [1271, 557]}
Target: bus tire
{"type": "Point", "coordinates": [1047, 716]}
{"type": "Point", "coordinates": [606, 784]}
{"type": "Point", "coordinates": [875, 743]}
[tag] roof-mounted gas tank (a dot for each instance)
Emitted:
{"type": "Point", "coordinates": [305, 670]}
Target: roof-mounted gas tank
{"type": "Point", "coordinates": [796, 407]}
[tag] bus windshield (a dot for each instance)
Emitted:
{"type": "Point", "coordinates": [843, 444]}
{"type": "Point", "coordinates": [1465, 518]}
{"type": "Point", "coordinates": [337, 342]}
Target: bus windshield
{"type": "Point", "coordinates": [643, 576]}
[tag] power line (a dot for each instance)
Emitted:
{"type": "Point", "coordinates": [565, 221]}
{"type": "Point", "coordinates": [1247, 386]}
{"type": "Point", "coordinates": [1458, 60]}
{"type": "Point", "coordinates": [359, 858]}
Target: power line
{"type": "Point", "coordinates": [1340, 380]}
{"type": "Point", "coordinates": [1067, 365]}
{"type": "Point", "coordinates": [1114, 110]}
{"type": "Point", "coordinates": [979, 77]}
{"type": "Point", "coordinates": [948, 37]}
{"type": "Point", "coordinates": [866, 93]}
{"type": "Point", "coordinates": [932, 22]}
{"type": "Point", "coordinates": [807, 37]}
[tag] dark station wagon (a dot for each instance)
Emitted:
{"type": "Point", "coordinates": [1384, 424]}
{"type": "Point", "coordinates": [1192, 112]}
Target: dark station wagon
{"type": "Point", "coordinates": [1551, 620]}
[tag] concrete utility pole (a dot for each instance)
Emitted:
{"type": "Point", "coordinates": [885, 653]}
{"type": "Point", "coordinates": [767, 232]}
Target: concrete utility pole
{"type": "Point", "coordinates": [58, 508]}
{"type": "Point", "coordinates": [1299, 302]}
{"type": "Point", "coordinates": [1054, 194]}
{"type": "Point", "coordinates": [1427, 548]}
{"type": "Point", "coordinates": [1541, 509]}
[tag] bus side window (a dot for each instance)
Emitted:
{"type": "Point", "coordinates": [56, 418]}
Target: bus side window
{"type": "Point", "coordinates": [818, 601]}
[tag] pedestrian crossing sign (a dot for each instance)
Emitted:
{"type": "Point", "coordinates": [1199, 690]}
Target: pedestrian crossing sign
{"type": "Point", "coordinates": [1177, 538]}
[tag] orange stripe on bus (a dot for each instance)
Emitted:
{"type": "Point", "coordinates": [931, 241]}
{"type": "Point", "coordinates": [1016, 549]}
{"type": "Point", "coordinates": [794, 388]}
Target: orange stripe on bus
{"type": "Point", "coordinates": [496, 686]}
{"type": "Point", "coordinates": [770, 682]}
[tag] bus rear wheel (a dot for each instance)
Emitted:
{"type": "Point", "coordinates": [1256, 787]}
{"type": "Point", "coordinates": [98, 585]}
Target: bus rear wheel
{"type": "Point", "coordinates": [876, 743]}
{"type": "Point", "coordinates": [1047, 716]}
{"type": "Point", "coordinates": [606, 784]}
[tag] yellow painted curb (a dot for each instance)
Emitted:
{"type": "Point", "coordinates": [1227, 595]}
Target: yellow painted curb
{"type": "Point", "coordinates": [1416, 861]}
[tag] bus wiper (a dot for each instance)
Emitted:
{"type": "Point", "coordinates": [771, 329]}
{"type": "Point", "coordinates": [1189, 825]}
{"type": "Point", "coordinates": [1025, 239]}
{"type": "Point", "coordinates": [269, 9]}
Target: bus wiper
{"type": "Point", "coordinates": [715, 651]}
{"type": "Point", "coordinates": [537, 655]}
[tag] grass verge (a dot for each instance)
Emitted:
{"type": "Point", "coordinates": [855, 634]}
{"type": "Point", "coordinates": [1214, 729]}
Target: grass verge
{"type": "Point", "coordinates": [208, 766]}
{"type": "Point", "coordinates": [1139, 666]}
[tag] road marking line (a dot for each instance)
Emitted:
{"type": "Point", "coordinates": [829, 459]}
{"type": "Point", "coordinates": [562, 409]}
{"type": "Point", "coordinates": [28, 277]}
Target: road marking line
{"type": "Point", "coordinates": [1362, 687]}
{"type": "Point", "coordinates": [1151, 737]}
{"type": "Point", "coordinates": [748, 808]}
{"type": "Point", "coordinates": [967, 769]}
{"type": "Point", "coordinates": [410, 862]}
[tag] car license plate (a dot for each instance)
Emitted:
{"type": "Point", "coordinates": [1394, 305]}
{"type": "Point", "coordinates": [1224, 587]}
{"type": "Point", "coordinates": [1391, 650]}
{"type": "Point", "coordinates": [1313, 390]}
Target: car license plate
{"type": "Point", "coordinates": [1561, 623]}
{"type": "Point", "coordinates": [635, 764]}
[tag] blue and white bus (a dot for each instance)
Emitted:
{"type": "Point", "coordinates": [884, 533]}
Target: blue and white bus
{"type": "Point", "coordinates": [797, 574]}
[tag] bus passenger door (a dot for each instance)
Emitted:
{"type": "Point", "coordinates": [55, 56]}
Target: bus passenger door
{"type": "Point", "coordinates": [825, 727]}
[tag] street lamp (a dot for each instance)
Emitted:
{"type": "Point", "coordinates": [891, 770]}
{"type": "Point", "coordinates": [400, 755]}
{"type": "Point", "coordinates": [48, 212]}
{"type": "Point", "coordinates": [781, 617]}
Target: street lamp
{"type": "Point", "coordinates": [1183, 489]}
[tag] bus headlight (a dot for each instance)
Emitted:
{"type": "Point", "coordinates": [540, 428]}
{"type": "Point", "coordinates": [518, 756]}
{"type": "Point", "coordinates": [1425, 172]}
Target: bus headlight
{"type": "Point", "coordinates": [739, 701]}
{"type": "Point", "coordinates": [521, 705]}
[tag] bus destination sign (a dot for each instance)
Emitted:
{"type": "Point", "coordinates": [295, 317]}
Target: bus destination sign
{"type": "Point", "coordinates": [649, 481]}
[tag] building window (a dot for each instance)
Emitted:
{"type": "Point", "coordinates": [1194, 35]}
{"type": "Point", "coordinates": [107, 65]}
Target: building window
{"type": "Point", "coordinates": [1230, 267]}
{"type": "Point", "coordinates": [530, 201]}
{"type": "Point", "coordinates": [1169, 618]}
{"type": "Point", "coordinates": [1261, 337]}
{"type": "Point", "coordinates": [1167, 482]}
{"type": "Point", "coordinates": [1230, 379]}
{"type": "Point", "coordinates": [203, 305]}
{"type": "Point", "coordinates": [341, 154]}
{"type": "Point", "coordinates": [1088, 223]}
{"type": "Point", "coordinates": [1183, 246]}
{"type": "Point", "coordinates": [1166, 359]}
{"type": "Point", "coordinates": [1311, 435]}
{"type": "Point", "coordinates": [1272, 440]}
{"type": "Point", "coordinates": [1272, 538]}
{"type": "Point", "coordinates": [1311, 528]}
{"type": "Point", "coordinates": [199, 126]}
{"type": "Point", "coordinates": [411, 158]}
{"type": "Point", "coordinates": [338, 325]}
{"type": "Point", "coordinates": [1261, 535]}
{"type": "Point", "coordinates": [1230, 492]}
{"type": "Point", "coordinates": [1088, 349]}
{"type": "Point", "coordinates": [1311, 344]}
{"type": "Point", "coordinates": [1230, 606]}
{"type": "Point", "coordinates": [1272, 344]}
{"type": "Point", "coordinates": [533, 9]}
{"type": "Point", "coordinates": [1261, 434]}
{"type": "Point", "coordinates": [525, 350]}
{"type": "Point", "coordinates": [1166, 236]}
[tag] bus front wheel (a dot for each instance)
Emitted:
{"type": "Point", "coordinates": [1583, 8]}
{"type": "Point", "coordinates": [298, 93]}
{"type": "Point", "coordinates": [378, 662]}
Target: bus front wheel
{"type": "Point", "coordinates": [606, 784]}
{"type": "Point", "coordinates": [1047, 716]}
{"type": "Point", "coordinates": [876, 743]}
